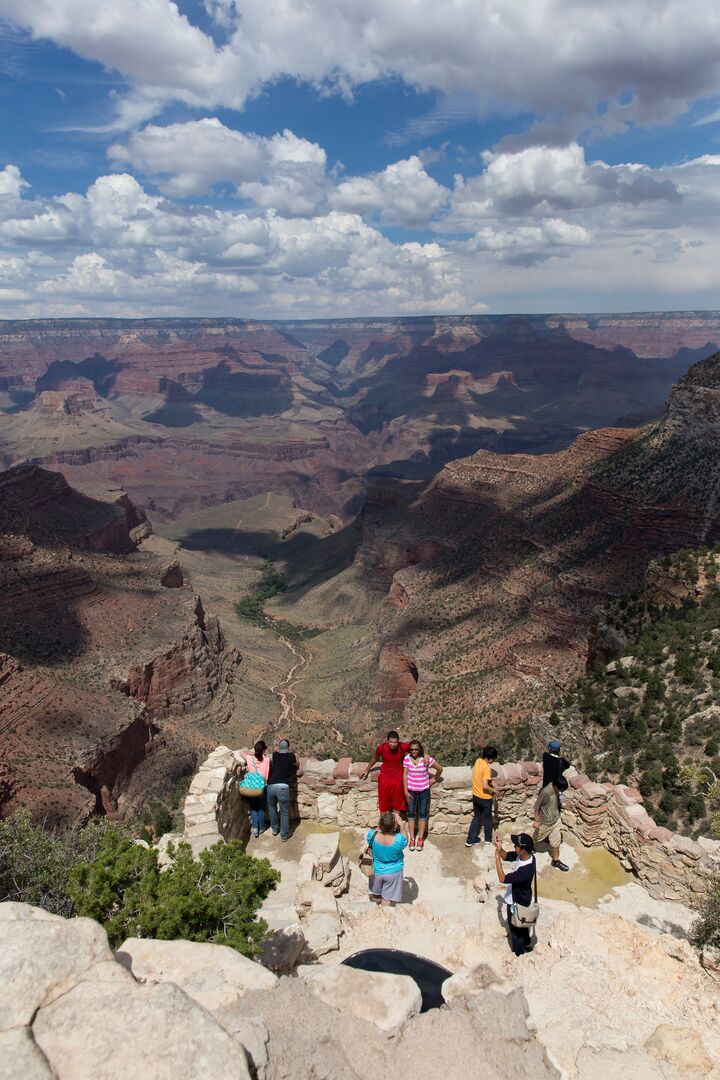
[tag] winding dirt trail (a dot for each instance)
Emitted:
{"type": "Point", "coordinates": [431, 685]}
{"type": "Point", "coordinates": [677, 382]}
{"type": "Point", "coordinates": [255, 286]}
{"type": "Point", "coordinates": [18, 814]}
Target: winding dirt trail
{"type": "Point", "coordinates": [283, 689]}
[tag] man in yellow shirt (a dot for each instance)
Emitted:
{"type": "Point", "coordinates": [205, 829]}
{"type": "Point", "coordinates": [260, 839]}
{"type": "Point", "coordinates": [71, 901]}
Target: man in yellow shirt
{"type": "Point", "coordinates": [483, 791]}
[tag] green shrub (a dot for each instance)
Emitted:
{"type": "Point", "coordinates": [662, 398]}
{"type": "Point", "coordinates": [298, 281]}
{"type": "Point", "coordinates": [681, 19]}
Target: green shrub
{"type": "Point", "coordinates": [705, 931]}
{"type": "Point", "coordinates": [35, 864]}
{"type": "Point", "coordinates": [271, 584]}
{"type": "Point", "coordinates": [156, 820]}
{"type": "Point", "coordinates": [214, 898]}
{"type": "Point", "coordinates": [651, 781]}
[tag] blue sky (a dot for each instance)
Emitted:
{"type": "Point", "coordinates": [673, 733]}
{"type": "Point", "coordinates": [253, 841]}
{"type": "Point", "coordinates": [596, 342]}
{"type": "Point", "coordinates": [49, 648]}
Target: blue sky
{"type": "Point", "coordinates": [300, 158]}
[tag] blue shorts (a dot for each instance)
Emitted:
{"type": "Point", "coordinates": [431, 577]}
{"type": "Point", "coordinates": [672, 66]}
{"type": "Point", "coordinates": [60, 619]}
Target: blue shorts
{"type": "Point", "coordinates": [419, 805]}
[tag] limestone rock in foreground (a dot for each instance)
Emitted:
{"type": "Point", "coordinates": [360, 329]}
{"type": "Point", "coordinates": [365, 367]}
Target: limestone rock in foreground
{"type": "Point", "coordinates": [680, 1047]}
{"type": "Point", "coordinates": [41, 957]}
{"type": "Point", "coordinates": [68, 1010]}
{"type": "Point", "coordinates": [387, 1001]}
{"type": "Point", "coordinates": [215, 976]}
{"type": "Point", "coordinates": [487, 1036]}
{"type": "Point", "coordinates": [20, 1057]}
{"type": "Point", "coordinates": [281, 952]}
{"type": "Point", "coordinates": [109, 1032]}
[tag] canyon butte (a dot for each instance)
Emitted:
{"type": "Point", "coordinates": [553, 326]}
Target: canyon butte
{"type": "Point", "coordinates": [450, 504]}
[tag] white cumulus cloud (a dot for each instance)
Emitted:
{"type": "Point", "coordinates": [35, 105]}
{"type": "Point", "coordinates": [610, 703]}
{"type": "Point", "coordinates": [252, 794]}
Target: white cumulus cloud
{"type": "Point", "coordinates": [610, 64]}
{"type": "Point", "coordinates": [403, 194]}
{"type": "Point", "coordinates": [190, 158]}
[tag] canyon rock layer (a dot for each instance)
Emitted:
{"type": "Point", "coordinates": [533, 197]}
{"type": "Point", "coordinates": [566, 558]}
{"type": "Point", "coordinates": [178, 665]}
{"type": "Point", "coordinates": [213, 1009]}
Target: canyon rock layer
{"type": "Point", "coordinates": [481, 586]}
{"type": "Point", "coordinates": [455, 593]}
{"type": "Point", "coordinates": [190, 413]}
{"type": "Point", "coordinates": [103, 671]}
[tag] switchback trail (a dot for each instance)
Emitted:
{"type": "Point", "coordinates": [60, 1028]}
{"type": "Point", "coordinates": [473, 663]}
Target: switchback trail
{"type": "Point", "coordinates": [283, 689]}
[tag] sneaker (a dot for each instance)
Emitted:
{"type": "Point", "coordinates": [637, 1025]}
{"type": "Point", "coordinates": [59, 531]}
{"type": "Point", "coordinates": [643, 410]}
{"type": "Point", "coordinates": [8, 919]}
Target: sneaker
{"type": "Point", "coordinates": [276, 832]}
{"type": "Point", "coordinates": [471, 843]}
{"type": "Point", "coordinates": [420, 845]}
{"type": "Point", "coordinates": [284, 839]}
{"type": "Point", "coordinates": [559, 865]}
{"type": "Point", "coordinates": [256, 832]}
{"type": "Point", "coordinates": [489, 843]}
{"type": "Point", "coordinates": [411, 845]}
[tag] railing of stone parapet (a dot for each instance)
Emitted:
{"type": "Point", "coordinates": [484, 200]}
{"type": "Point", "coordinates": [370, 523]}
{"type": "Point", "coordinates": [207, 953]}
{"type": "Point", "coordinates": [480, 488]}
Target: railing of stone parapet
{"type": "Point", "coordinates": [613, 816]}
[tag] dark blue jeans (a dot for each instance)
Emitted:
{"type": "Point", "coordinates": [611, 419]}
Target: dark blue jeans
{"type": "Point", "coordinates": [278, 798]}
{"type": "Point", "coordinates": [419, 805]}
{"type": "Point", "coordinates": [482, 814]}
{"type": "Point", "coordinates": [257, 813]}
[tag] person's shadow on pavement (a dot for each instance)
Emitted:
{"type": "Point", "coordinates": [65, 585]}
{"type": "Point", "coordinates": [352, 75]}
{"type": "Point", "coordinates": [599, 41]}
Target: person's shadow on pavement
{"type": "Point", "coordinates": [410, 891]}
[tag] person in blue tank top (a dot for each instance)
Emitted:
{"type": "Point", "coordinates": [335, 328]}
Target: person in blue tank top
{"type": "Point", "coordinates": [387, 844]}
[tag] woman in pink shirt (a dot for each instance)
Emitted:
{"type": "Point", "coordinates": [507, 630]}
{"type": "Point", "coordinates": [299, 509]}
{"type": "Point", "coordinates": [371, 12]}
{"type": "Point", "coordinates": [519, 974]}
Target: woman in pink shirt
{"type": "Point", "coordinates": [417, 783]}
{"type": "Point", "coordinates": [258, 762]}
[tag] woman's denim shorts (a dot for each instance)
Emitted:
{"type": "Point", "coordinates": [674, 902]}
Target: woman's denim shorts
{"type": "Point", "coordinates": [419, 805]}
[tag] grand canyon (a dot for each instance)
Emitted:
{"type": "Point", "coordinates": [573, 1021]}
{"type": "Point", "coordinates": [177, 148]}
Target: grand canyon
{"type": "Point", "coordinates": [449, 504]}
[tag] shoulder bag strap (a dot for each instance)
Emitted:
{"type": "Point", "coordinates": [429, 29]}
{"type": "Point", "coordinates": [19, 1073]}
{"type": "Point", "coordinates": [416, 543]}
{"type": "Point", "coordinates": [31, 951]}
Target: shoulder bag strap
{"type": "Point", "coordinates": [535, 878]}
{"type": "Point", "coordinates": [370, 841]}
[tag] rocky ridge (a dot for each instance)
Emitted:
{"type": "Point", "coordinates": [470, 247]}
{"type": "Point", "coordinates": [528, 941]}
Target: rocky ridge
{"type": "Point", "coordinates": [100, 662]}
{"type": "Point", "coordinates": [494, 571]}
{"type": "Point", "coordinates": [124, 402]}
{"type": "Point", "coordinates": [158, 1008]}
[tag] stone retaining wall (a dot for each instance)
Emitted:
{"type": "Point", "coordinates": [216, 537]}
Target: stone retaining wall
{"type": "Point", "coordinates": [214, 808]}
{"type": "Point", "coordinates": [669, 865]}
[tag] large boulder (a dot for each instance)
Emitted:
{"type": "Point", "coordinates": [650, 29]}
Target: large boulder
{"type": "Point", "coordinates": [385, 1000]}
{"type": "Point", "coordinates": [42, 956]}
{"type": "Point", "coordinates": [325, 851]}
{"type": "Point", "coordinates": [213, 975]}
{"type": "Point", "coordinates": [109, 1031]}
{"type": "Point", "coordinates": [281, 952]}
{"type": "Point", "coordinates": [20, 1058]}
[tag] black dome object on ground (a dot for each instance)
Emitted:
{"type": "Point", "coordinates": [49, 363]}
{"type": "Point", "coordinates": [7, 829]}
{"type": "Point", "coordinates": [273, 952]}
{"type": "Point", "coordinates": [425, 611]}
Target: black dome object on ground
{"type": "Point", "coordinates": [428, 975]}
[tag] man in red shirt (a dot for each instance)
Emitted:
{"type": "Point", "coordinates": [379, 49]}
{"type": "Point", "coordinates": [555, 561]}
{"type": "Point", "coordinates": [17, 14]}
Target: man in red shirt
{"type": "Point", "coordinates": [391, 794]}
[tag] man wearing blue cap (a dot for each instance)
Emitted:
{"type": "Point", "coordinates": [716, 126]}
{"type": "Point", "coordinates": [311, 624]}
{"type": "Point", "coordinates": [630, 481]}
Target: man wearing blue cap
{"type": "Point", "coordinates": [553, 765]}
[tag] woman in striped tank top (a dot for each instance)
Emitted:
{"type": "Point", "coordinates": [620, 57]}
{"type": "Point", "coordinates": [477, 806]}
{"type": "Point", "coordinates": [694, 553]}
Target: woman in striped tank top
{"type": "Point", "coordinates": [417, 783]}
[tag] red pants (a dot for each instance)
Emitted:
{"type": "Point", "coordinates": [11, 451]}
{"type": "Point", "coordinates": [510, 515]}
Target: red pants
{"type": "Point", "coordinates": [390, 795]}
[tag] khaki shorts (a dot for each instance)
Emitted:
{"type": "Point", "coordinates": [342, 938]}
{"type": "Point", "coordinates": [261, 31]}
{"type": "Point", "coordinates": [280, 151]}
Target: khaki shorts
{"type": "Point", "coordinates": [551, 833]}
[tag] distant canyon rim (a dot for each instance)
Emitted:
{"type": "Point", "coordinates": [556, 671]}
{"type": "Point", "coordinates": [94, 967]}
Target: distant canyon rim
{"type": "Point", "coordinates": [447, 499]}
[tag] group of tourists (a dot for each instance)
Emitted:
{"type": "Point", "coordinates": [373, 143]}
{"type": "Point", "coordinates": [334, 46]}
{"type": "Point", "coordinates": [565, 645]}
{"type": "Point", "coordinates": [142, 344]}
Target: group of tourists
{"type": "Point", "coordinates": [268, 784]}
{"type": "Point", "coordinates": [407, 776]}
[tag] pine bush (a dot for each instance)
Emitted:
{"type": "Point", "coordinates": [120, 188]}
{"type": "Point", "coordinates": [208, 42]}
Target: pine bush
{"type": "Point", "coordinates": [214, 898]}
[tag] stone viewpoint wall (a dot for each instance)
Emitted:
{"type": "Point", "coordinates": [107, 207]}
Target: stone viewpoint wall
{"type": "Point", "coordinates": [670, 866]}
